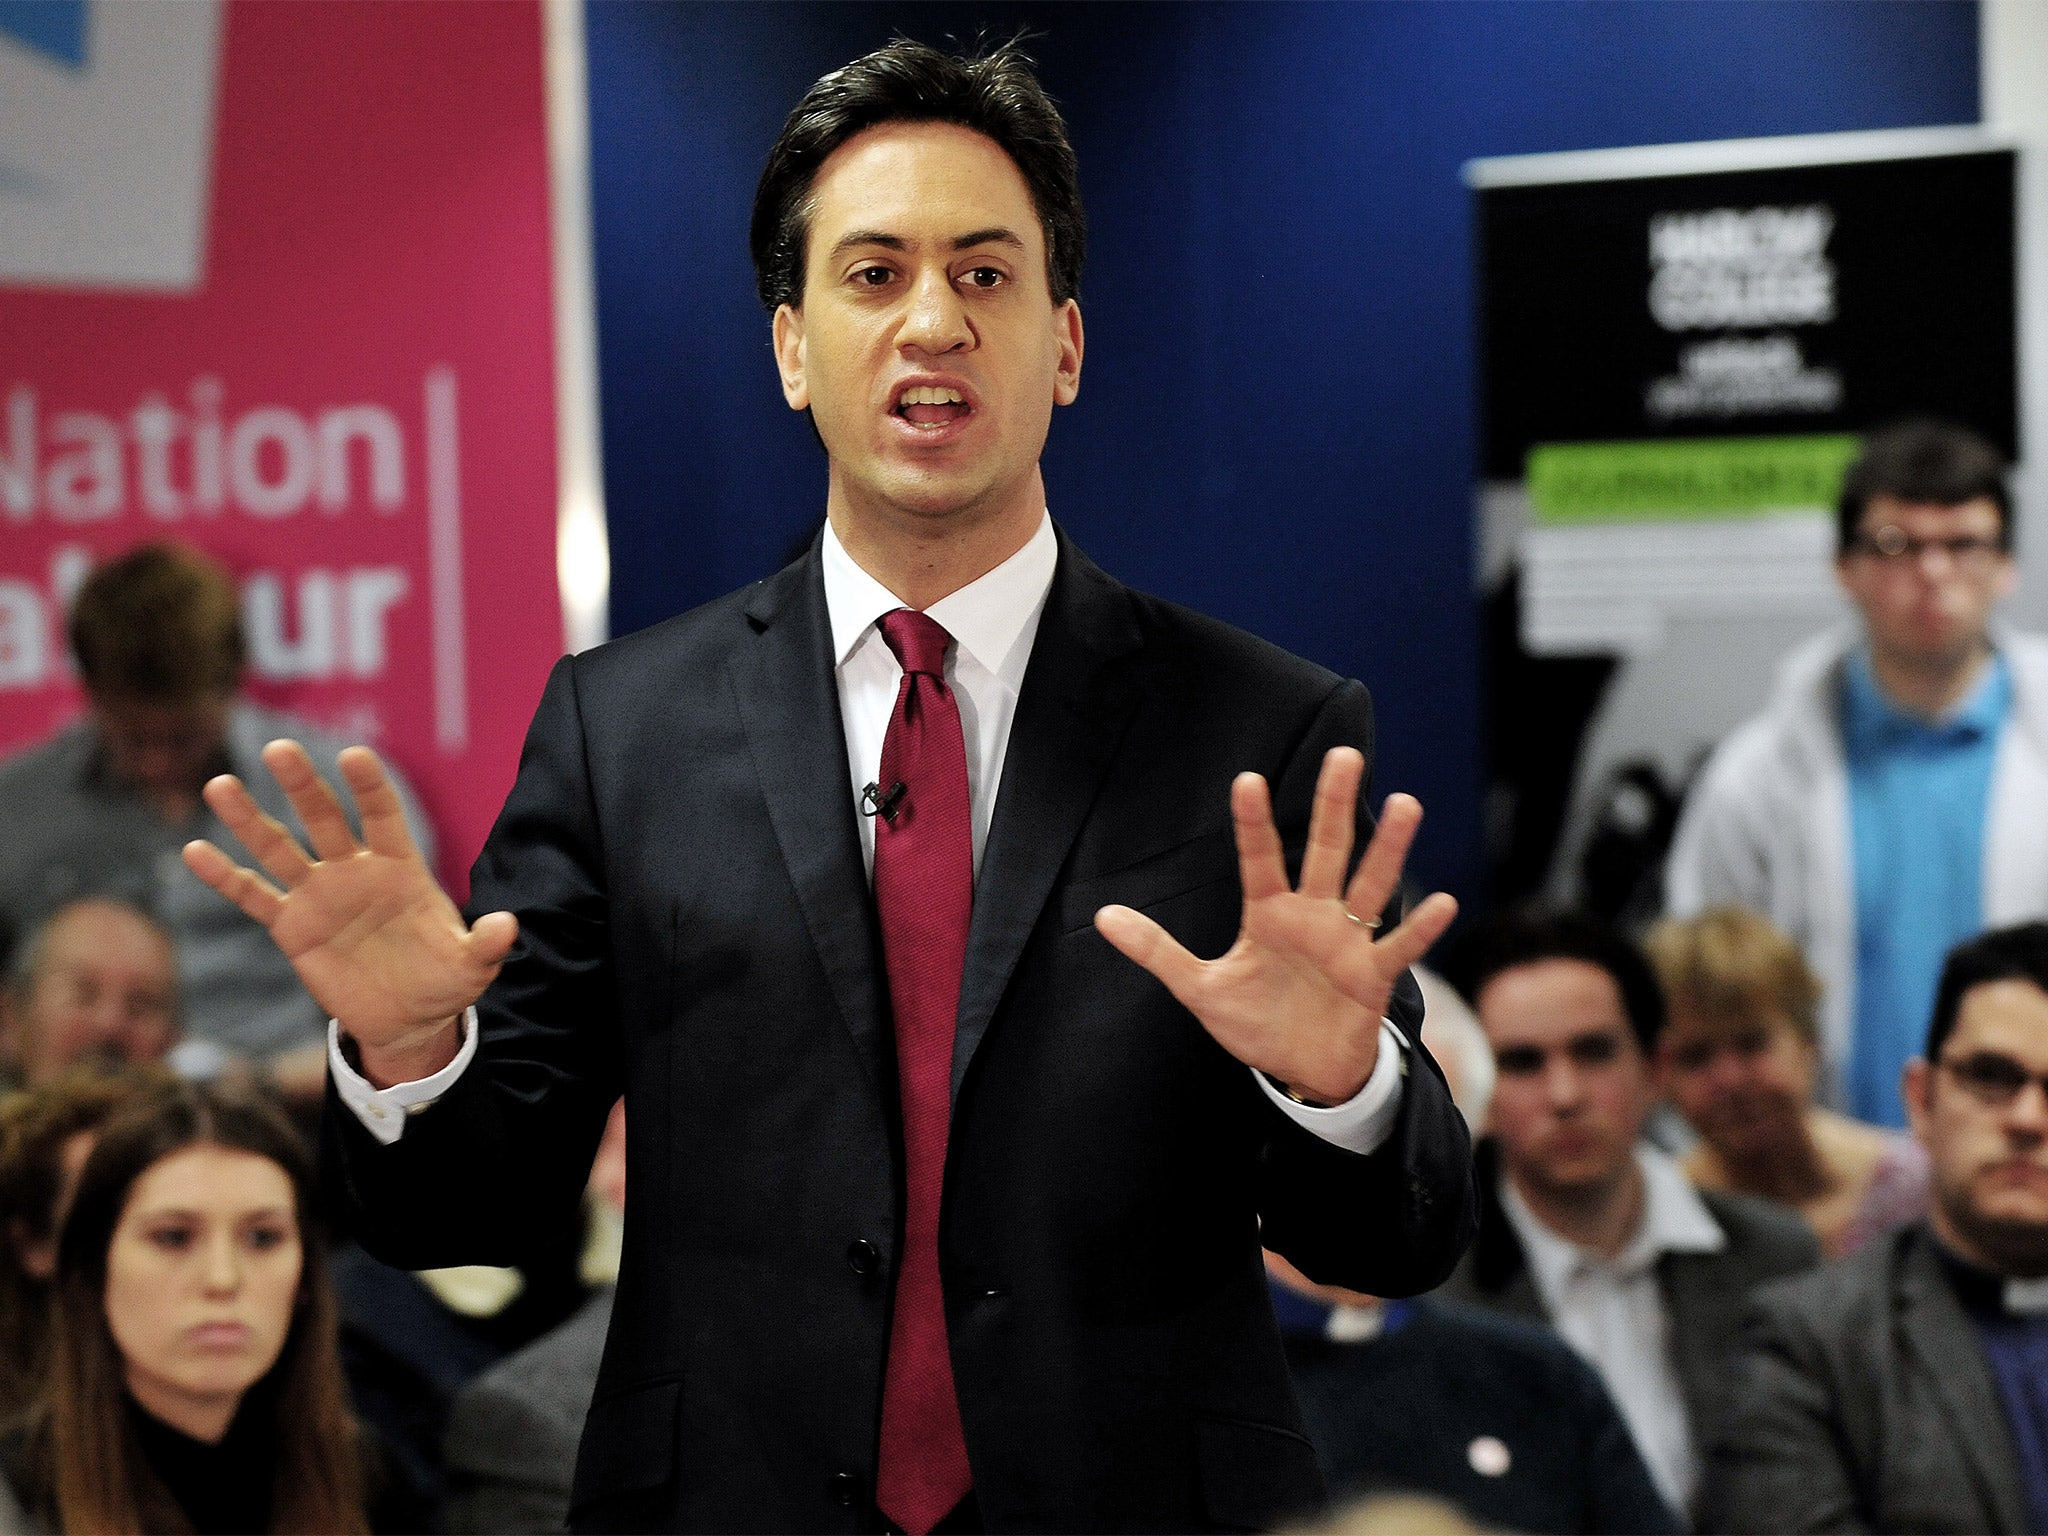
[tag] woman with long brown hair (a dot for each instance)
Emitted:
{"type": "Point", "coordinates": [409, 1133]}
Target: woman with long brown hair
{"type": "Point", "coordinates": [194, 1383]}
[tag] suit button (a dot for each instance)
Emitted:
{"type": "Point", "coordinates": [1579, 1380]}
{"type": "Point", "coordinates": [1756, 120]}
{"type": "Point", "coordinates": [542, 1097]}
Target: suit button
{"type": "Point", "coordinates": [863, 1258]}
{"type": "Point", "coordinates": [845, 1489]}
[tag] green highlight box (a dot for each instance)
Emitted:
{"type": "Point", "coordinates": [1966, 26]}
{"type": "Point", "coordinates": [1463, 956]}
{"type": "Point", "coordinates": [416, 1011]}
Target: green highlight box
{"type": "Point", "coordinates": [1691, 479]}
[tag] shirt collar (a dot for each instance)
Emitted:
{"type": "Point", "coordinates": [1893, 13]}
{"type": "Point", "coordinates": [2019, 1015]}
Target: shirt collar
{"type": "Point", "coordinates": [987, 618]}
{"type": "Point", "coordinates": [1871, 718]}
{"type": "Point", "coordinates": [1675, 1220]}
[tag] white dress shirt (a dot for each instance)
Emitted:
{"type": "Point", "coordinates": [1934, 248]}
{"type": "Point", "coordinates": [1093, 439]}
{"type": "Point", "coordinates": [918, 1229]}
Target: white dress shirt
{"type": "Point", "coordinates": [993, 621]}
{"type": "Point", "coordinates": [1612, 1310]}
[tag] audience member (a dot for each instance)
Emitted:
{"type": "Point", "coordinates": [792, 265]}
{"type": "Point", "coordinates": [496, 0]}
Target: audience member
{"type": "Point", "coordinates": [95, 984]}
{"type": "Point", "coordinates": [1893, 798]}
{"type": "Point", "coordinates": [1490, 1413]}
{"type": "Point", "coordinates": [105, 806]}
{"type": "Point", "coordinates": [194, 1383]}
{"type": "Point", "coordinates": [1738, 1059]}
{"type": "Point", "coordinates": [1582, 1222]}
{"type": "Point", "coordinates": [1906, 1388]}
{"type": "Point", "coordinates": [513, 1432]}
{"type": "Point", "coordinates": [46, 1134]}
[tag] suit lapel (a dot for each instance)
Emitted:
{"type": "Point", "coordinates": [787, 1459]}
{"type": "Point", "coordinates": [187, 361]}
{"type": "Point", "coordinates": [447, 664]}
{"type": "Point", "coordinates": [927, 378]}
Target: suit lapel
{"type": "Point", "coordinates": [1071, 715]}
{"type": "Point", "coordinates": [1936, 1329]}
{"type": "Point", "coordinates": [788, 698]}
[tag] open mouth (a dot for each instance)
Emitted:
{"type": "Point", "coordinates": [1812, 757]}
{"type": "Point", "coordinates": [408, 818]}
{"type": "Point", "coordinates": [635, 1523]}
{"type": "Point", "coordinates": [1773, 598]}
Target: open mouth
{"type": "Point", "coordinates": [932, 407]}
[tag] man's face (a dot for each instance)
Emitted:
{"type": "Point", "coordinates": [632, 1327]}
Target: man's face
{"type": "Point", "coordinates": [1927, 601]}
{"type": "Point", "coordinates": [166, 749]}
{"type": "Point", "coordinates": [1573, 1088]}
{"type": "Point", "coordinates": [927, 348]}
{"type": "Point", "coordinates": [105, 990]}
{"type": "Point", "coordinates": [1981, 1111]}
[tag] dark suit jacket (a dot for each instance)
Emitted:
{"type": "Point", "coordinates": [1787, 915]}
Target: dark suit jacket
{"type": "Point", "coordinates": [698, 929]}
{"type": "Point", "coordinates": [1403, 1412]}
{"type": "Point", "coordinates": [1705, 1294]}
{"type": "Point", "coordinates": [1863, 1402]}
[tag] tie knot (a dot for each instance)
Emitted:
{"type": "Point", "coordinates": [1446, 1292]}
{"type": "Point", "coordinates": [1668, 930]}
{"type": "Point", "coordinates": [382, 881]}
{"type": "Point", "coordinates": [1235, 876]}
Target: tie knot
{"type": "Point", "coordinates": [918, 640]}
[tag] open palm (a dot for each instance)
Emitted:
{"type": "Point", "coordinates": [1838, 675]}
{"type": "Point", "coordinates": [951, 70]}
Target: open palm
{"type": "Point", "coordinates": [371, 934]}
{"type": "Point", "coordinates": [1301, 993]}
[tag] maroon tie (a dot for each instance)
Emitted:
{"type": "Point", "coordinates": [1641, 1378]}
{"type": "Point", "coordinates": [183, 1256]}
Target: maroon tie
{"type": "Point", "coordinates": [924, 890]}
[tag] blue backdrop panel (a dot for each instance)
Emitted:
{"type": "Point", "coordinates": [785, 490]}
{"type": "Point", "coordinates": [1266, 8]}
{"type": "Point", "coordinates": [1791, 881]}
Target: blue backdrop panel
{"type": "Point", "coordinates": [1276, 419]}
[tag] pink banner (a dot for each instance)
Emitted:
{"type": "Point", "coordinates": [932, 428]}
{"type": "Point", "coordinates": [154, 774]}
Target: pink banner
{"type": "Point", "coordinates": [292, 304]}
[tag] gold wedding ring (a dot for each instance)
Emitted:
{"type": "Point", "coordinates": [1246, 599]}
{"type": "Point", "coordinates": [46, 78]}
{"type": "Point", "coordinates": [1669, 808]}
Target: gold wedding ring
{"type": "Point", "coordinates": [1363, 922]}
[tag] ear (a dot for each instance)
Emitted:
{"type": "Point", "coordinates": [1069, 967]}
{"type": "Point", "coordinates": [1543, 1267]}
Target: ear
{"type": "Point", "coordinates": [2007, 578]}
{"type": "Point", "coordinates": [1916, 1086]}
{"type": "Point", "coordinates": [1067, 380]}
{"type": "Point", "coordinates": [789, 356]}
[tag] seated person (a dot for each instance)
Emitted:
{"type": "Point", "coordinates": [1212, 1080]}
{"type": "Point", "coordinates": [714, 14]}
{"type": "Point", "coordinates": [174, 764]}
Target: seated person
{"type": "Point", "coordinates": [46, 1134]}
{"type": "Point", "coordinates": [1494, 1415]}
{"type": "Point", "coordinates": [95, 984]}
{"type": "Point", "coordinates": [1583, 1223]}
{"type": "Point", "coordinates": [513, 1432]}
{"type": "Point", "coordinates": [1738, 1059]}
{"type": "Point", "coordinates": [1906, 1388]}
{"type": "Point", "coordinates": [194, 1383]}
{"type": "Point", "coordinates": [106, 804]}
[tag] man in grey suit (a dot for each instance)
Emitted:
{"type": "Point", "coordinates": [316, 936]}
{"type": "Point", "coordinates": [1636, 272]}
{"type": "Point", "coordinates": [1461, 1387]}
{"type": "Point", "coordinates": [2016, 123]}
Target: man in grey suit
{"type": "Point", "coordinates": [1906, 1388]}
{"type": "Point", "coordinates": [1583, 1224]}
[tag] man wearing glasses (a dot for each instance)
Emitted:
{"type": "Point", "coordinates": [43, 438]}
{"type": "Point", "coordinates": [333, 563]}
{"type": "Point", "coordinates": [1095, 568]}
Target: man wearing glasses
{"type": "Point", "coordinates": [1906, 1388]}
{"type": "Point", "coordinates": [1892, 800]}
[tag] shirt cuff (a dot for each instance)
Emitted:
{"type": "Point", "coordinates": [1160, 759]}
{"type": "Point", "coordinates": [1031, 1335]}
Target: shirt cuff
{"type": "Point", "coordinates": [383, 1110]}
{"type": "Point", "coordinates": [1363, 1122]}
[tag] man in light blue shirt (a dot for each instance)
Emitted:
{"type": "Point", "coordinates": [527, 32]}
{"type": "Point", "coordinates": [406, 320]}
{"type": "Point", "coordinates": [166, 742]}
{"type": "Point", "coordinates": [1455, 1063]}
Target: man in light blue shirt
{"type": "Point", "coordinates": [1892, 801]}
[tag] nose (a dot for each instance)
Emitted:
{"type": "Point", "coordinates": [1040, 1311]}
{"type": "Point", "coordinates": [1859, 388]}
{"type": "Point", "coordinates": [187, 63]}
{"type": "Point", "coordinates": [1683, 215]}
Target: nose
{"type": "Point", "coordinates": [935, 321]}
{"type": "Point", "coordinates": [1726, 1071]}
{"type": "Point", "coordinates": [221, 1261]}
{"type": "Point", "coordinates": [2027, 1115]}
{"type": "Point", "coordinates": [1561, 1083]}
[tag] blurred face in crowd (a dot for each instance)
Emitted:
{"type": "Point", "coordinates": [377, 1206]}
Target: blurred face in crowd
{"type": "Point", "coordinates": [103, 989]}
{"type": "Point", "coordinates": [1743, 1082]}
{"type": "Point", "coordinates": [1574, 1088]}
{"type": "Point", "coordinates": [1926, 577]}
{"type": "Point", "coordinates": [927, 347]}
{"type": "Point", "coordinates": [1981, 1111]}
{"type": "Point", "coordinates": [164, 749]}
{"type": "Point", "coordinates": [202, 1279]}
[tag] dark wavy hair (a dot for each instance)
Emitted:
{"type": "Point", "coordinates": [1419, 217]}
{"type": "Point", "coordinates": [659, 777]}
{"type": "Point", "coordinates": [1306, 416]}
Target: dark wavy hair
{"type": "Point", "coordinates": [1514, 939]}
{"type": "Point", "coordinates": [995, 92]}
{"type": "Point", "coordinates": [1922, 460]}
{"type": "Point", "coordinates": [2018, 953]}
{"type": "Point", "coordinates": [99, 1480]}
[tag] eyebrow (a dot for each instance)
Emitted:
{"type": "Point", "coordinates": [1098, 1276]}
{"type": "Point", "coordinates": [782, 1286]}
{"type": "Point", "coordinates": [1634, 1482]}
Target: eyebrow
{"type": "Point", "coordinates": [995, 234]}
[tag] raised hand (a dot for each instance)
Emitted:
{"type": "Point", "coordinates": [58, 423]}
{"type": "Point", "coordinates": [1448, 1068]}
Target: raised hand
{"type": "Point", "coordinates": [373, 937]}
{"type": "Point", "coordinates": [1301, 993]}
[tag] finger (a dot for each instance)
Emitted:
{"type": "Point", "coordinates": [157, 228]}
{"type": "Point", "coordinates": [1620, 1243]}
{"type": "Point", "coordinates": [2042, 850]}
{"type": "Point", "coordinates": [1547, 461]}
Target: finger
{"type": "Point", "coordinates": [383, 813]}
{"type": "Point", "coordinates": [1143, 942]}
{"type": "Point", "coordinates": [1422, 928]}
{"type": "Point", "coordinates": [1379, 872]}
{"type": "Point", "coordinates": [267, 839]}
{"type": "Point", "coordinates": [1261, 862]}
{"type": "Point", "coordinates": [318, 810]}
{"type": "Point", "coordinates": [1332, 823]}
{"type": "Point", "coordinates": [491, 937]}
{"type": "Point", "coordinates": [244, 887]}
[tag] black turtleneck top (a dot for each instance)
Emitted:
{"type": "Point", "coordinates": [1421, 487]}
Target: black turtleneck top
{"type": "Point", "coordinates": [224, 1489]}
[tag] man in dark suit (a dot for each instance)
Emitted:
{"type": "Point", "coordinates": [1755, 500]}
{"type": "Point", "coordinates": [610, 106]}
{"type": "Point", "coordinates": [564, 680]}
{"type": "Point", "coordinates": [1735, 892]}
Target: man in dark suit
{"type": "Point", "coordinates": [1906, 1388]}
{"type": "Point", "coordinates": [945, 1213]}
{"type": "Point", "coordinates": [1585, 1225]}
